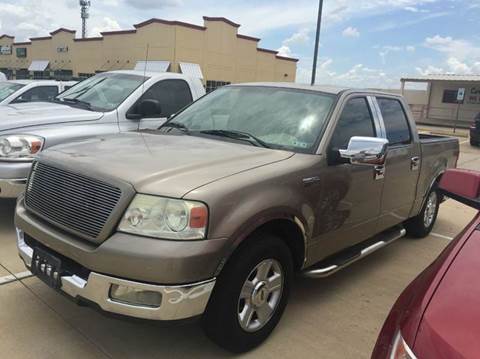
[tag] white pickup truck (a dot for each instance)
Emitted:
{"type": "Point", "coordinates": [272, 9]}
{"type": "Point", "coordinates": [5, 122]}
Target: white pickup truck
{"type": "Point", "coordinates": [20, 91]}
{"type": "Point", "coordinates": [107, 103]}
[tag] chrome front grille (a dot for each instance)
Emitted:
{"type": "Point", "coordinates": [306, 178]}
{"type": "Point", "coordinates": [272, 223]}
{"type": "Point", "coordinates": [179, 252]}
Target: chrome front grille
{"type": "Point", "coordinates": [70, 200]}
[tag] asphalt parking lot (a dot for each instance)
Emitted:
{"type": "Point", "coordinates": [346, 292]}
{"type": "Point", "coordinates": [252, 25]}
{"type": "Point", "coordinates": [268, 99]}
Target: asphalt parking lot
{"type": "Point", "coordinates": [337, 317]}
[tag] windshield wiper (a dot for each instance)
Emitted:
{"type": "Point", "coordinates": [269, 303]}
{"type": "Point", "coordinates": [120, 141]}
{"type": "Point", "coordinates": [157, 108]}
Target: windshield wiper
{"type": "Point", "coordinates": [177, 125]}
{"type": "Point", "coordinates": [77, 101]}
{"type": "Point", "coordinates": [238, 135]}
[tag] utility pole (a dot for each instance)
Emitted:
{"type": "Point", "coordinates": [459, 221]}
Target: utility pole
{"type": "Point", "coordinates": [317, 42]}
{"type": "Point", "coordinates": [84, 5]}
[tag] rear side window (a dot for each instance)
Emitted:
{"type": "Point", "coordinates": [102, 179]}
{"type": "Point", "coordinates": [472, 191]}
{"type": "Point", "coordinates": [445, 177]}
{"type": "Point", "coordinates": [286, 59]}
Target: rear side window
{"type": "Point", "coordinates": [39, 93]}
{"type": "Point", "coordinates": [356, 120]}
{"type": "Point", "coordinates": [396, 123]}
{"type": "Point", "coordinates": [173, 95]}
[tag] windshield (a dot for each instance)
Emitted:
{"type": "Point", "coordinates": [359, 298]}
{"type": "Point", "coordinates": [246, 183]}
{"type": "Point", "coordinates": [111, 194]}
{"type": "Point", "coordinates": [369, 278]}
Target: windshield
{"type": "Point", "coordinates": [281, 118]}
{"type": "Point", "coordinates": [8, 88]}
{"type": "Point", "coordinates": [103, 92]}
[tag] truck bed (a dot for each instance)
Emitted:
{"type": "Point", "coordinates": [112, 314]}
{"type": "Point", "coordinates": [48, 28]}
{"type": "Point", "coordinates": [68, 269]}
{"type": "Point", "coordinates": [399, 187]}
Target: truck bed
{"type": "Point", "coordinates": [429, 138]}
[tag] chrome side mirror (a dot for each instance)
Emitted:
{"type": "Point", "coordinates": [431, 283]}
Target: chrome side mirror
{"type": "Point", "coordinates": [369, 151]}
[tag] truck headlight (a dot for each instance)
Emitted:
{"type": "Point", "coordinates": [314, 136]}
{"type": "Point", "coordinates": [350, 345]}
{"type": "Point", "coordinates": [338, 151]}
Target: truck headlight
{"type": "Point", "coordinates": [165, 218]}
{"type": "Point", "coordinates": [20, 147]}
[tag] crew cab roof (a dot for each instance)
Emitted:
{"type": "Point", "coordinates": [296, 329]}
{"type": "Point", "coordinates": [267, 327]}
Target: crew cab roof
{"type": "Point", "coordinates": [152, 74]}
{"type": "Point", "coordinates": [334, 90]}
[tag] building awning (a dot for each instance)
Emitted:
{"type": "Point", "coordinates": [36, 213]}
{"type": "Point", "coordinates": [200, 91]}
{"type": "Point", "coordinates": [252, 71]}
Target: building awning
{"type": "Point", "coordinates": [38, 65]}
{"type": "Point", "coordinates": [442, 77]}
{"type": "Point", "coordinates": [152, 66]}
{"type": "Point", "coordinates": [192, 70]}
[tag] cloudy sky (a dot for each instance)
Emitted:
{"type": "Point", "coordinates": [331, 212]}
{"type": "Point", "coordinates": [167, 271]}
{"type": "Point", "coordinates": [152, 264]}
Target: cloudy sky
{"type": "Point", "coordinates": [363, 42]}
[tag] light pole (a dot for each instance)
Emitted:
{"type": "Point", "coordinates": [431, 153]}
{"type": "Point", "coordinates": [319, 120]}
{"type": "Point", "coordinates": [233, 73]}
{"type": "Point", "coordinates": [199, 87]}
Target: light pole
{"type": "Point", "coordinates": [317, 41]}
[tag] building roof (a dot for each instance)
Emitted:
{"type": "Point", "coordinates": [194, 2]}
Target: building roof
{"type": "Point", "coordinates": [442, 77]}
{"type": "Point", "coordinates": [161, 21]}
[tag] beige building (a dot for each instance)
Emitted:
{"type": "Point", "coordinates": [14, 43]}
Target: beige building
{"type": "Point", "coordinates": [449, 99]}
{"type": "Point", "coordinates": [216, 52]}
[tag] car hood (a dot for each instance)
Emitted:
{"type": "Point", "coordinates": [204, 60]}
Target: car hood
{"type": "Point", "coordinates": [22, 116]}
{"type": "Point", "coordinates": [451, 323]}
{"type": "Point", "coordinates": [160, 164]}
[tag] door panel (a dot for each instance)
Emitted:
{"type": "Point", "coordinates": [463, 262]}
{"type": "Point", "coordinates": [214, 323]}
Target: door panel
{"type": "Point", "coordinates": [350, 198]}
{"type": "Point", "coordinates": [400, 186]}
{"type": "Point", "coordinates": [401, 176]}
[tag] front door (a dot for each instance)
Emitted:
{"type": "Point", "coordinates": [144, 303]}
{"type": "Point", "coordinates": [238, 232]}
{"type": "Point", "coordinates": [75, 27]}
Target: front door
{"type": "Point", "coordinates": [402, 165]}
{"type": "Point", "coordinates": [351, 196]}
{"type": "Point", "coordinates": [172, 94]}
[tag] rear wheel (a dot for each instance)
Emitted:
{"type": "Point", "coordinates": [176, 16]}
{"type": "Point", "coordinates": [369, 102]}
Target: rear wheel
{"type": "Point", "coordinates": [250, 295]}
{"type": "Point", "coordinates": [421, 225]}
{"type": "Point", "coordinates": [473, 142]}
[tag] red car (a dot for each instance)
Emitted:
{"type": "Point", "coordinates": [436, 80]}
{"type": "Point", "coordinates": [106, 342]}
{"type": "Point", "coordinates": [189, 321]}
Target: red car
{"type": "Point", "coordinates": [438, 314]}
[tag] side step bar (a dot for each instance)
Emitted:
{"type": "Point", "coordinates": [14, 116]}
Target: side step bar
{"type": "Point", "coordinates": [339, 261]}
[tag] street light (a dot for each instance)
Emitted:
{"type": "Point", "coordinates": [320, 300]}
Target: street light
{"type": "Point", "coordinates": [317, 42]}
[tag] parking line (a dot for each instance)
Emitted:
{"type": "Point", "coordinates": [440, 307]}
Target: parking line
{"type": "Point", "coordinates": [13, 278]}
{"type": "Point", "coordinates": [442, 236]}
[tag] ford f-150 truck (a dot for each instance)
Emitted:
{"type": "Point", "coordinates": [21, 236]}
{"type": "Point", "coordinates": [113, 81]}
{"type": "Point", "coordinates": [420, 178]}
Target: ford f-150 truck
{"type": "Point", "coordinates": [107, 103]}
{"type": "Point", "coordinates": [213, 213]}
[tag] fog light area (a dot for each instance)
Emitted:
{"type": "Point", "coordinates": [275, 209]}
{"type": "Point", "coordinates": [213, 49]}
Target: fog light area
{"type": "Point", "coordinates": [137, 297]}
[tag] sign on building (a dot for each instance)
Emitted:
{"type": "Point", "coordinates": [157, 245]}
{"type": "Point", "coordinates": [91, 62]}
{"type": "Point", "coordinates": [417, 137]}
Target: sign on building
{"type": "Point", "coordinates": [62, 49]}
{"type": "Point", "coordinates": [474, 96]}
{"type": "Point", "coordinates": [5, 50]}
{"type": "Point", "coordinates": [461, 94]}
{"type": "Point", "coordinates": [21, 51]}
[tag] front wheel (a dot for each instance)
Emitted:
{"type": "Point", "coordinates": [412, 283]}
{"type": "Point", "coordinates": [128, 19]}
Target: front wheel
{"type": "Point", "coordinates": [473, 142]}
{"type": "Point", "coordinates": [250, 295]}
{"type": "Point", "coordinates": [421, 225]}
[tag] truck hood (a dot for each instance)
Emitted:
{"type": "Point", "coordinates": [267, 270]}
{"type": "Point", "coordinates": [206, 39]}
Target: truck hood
{"type": "Point", "coordinates": [160, 164]}
{"type": "Point", "coordinates": [25, 115]}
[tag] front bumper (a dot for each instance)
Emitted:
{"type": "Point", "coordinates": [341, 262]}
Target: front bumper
{"type": "Point", "coordinates": [177, 301]}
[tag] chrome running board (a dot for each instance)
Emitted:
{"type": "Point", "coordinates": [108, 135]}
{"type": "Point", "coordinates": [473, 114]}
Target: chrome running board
{"type": "Point", "coordinates": [343, 259]}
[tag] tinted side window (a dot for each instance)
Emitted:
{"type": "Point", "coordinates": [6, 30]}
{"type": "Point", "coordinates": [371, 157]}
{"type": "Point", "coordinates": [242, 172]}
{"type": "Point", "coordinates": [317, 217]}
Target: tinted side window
{"type": "Point", "coordinates": [173, 95]}
{"type": "Point", "coordinates": [39, 93]}
{"type": "Point", "coordinates": [356, 120]}
{"type": "Point", "coordinates": [396, 123]}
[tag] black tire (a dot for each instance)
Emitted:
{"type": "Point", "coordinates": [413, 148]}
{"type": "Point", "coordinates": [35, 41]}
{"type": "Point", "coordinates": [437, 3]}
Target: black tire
{"type": "Point", "coordinates": [220, 321]}
{"type": "Point", "coordinates": [473, 142]}
{"type": "Point", "coordinates": [417, 226]}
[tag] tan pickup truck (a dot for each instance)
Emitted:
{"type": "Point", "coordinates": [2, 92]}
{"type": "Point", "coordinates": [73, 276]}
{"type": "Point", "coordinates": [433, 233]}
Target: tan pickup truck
{"type": "Point", "coordinates": [213, 213]}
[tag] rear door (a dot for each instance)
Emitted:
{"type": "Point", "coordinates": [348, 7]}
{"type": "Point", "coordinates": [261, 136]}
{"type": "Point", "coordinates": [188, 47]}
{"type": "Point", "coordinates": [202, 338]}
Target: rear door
{"type": "Point", "coordinates": [402, 166]}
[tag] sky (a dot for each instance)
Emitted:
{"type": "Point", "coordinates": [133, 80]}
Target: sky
{"type": "Point", "coordinates": [364, 43]}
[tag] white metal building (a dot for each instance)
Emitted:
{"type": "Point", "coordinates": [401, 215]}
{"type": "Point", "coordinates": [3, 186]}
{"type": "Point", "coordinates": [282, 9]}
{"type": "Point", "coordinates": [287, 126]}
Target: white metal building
{"type": "Point", "coordinates": [444, 103]}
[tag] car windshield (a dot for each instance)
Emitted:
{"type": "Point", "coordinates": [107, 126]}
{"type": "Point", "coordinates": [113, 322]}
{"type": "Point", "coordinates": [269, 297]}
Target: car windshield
{"type": "Point", "coordinates": [8, 88]}
{"type": "Point", "coordinates": [274, 117]}
{"type": "Point", "coordinates": [103, 92]}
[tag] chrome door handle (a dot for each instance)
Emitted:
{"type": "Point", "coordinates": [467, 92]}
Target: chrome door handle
{"type": "Point", "coordinates": [415, 163]}
{"type": "Point", "coordinates": [379, 172]}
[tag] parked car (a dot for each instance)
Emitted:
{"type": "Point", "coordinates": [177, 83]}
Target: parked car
{"type": "Point", "coordinates": [475, 131]}
{"type": "Point", "coordinates": [20, 91]}
{"type": "Point", "coordinates": [214, 212]}
{"type": "Point", "coordinates": [437, 316]}
{"type": "Point", "coordinates": [107, 103]}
